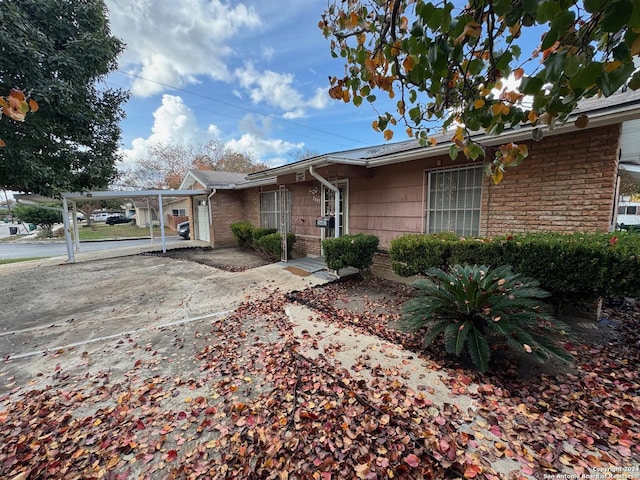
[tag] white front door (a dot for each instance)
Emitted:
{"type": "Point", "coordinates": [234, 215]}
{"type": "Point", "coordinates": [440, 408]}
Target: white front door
{"type": "Point", "coordinates": [202, 222]}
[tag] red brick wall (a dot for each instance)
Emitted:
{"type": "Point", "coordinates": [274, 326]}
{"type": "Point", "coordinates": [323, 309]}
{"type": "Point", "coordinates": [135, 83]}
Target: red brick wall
{"type": "Point", "coordinates": [566, 184]}
{"type": "Point", "coordinates": [227, 207]}
{"type": "Point", "coordinates": [251, 202]}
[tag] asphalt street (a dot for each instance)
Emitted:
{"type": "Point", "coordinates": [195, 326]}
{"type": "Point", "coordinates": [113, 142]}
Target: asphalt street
{"type": "Point", "coordinates": [55, 248]}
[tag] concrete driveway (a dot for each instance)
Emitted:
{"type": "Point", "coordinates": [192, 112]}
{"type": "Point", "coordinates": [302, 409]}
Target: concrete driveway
{"type": "Point", "coordinates": [97, 314]}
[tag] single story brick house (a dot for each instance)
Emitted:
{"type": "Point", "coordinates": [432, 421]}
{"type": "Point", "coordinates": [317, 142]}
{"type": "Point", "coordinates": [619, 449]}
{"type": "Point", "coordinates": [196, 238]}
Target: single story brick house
{"type": "Point", "coordinates": [569, 182]}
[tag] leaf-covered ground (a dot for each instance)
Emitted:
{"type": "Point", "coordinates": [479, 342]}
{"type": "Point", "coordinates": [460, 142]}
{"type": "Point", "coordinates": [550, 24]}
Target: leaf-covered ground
{"type": "Point", "coordinates": [253, 406]}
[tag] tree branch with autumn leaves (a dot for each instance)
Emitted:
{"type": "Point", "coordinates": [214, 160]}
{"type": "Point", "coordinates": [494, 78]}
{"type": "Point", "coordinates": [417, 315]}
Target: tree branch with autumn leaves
{"type": "Point", "coordinates": [450, 65]}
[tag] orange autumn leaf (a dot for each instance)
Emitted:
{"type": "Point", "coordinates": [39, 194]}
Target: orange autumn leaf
{"type": "Point", "coordinates": [611, 66]}
{"type": "Point", "coordinates": [471, 471]}
{"type": "Point", "coordinates": [408, 63]}
{"type": "Point", "coordinates": [388, 134]}
{"type": "Point", "coordinates": [518, 73]}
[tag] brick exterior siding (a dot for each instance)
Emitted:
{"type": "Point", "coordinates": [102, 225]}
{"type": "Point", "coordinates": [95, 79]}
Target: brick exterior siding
{"type": "Point", "coordinates": [566, 184]}
{"type": "Point", "coordinates": [230, 206]}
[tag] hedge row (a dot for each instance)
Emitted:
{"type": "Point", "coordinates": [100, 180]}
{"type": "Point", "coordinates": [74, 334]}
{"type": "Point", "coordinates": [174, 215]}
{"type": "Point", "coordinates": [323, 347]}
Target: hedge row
{"type": "Point", "coordinates": [590, 264]}
{"type": "Point", "coordinates": [264, 240]}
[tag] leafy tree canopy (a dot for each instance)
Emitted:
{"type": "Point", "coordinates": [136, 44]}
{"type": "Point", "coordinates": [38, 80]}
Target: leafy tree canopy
{"type": "Point", "coordinates": [57, 52]}
{"type": "Point", "coordinates": [43, 217]}
{"type": "Point", "coordinates": [447, 62]}
{"type": "Point", "coordinates": [166, 164]}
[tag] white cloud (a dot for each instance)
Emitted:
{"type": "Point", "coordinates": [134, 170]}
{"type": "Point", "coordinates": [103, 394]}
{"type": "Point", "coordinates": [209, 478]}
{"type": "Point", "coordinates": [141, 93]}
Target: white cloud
{"type": "Point", "coordinates": [175, 123]}
{"type": "Point", "coordinates": [268, 53]}
{"type": "Point", "coordinates": [174, 42]}
{"type": "Point", "coordinates": [270, 151]}
{"type": "Point", "coordinates": [277, 89]}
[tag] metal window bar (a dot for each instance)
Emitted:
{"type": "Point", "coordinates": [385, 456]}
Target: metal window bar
{"type": "Point", "coordinates": [453, 201]}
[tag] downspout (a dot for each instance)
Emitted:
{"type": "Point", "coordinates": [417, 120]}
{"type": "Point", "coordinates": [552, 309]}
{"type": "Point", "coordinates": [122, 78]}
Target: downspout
{"type": "Point", "coordinates": [210, 229]}
{"type": "Point", "coordinates": [336, 190]}
{"type": "Point", "coordinates": [213, 192]}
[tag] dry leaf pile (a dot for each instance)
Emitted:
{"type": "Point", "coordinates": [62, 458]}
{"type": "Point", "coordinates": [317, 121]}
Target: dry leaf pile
{"type": "Point", "coordinates": [251, 406]}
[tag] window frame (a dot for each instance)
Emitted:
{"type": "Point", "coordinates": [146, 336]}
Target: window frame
{"type": "Point", "coordinates": [274, 210]}
{"type": "Point", "coordinates": [476, 187]}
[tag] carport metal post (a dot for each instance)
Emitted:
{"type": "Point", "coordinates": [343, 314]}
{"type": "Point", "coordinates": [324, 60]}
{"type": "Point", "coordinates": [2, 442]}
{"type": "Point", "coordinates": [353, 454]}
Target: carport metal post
{"type": "Point", "coordinates": [76, 233]}
{"type": "Point", "coordinates": [164, 240]}
{"type": "Point", "coordinates": [67, 230]}
{"type": "Point", "coordinates": [150, 220]}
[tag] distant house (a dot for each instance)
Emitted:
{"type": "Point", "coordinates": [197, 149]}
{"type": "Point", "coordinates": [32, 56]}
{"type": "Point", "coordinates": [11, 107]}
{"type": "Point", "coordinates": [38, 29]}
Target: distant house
{"type": "Point", "coordinates": [232, 198]}
{"type": "Point", "coordinates": [144, 213]}
{"type": "Point", "coordinates": [568, 183]}
{"type": "Point", "coordinates": [176, 210]}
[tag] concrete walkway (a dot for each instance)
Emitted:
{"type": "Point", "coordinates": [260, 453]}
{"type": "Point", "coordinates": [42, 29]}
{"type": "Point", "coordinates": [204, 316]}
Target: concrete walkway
{"type": "Point", "coordinates": [361, 355]}
{"type": "Point", "coordinates": [315, 265]}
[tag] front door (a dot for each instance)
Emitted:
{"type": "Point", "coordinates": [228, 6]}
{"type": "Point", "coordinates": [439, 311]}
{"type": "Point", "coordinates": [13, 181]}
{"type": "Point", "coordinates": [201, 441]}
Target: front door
{"type": "Point", "coordinates": [202, 221]}
{"type": "Point", "coordinates": [329, 206]}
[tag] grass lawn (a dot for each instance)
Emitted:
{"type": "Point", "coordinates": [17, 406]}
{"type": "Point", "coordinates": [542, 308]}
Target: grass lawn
{"type": "Point", "coordinates": [16, 260]}
{"type": "Point", "coordinates": [100, 231]}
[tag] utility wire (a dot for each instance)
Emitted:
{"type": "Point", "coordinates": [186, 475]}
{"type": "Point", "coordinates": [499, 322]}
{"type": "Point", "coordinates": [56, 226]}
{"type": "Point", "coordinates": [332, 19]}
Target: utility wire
{"type": "Point", "coordinates": [239, 107]}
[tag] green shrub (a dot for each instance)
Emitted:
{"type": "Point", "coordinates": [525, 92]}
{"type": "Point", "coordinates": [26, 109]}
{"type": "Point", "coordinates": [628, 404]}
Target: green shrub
{"type": "Point", "coordinates": [586, 264]}
{"type": "Point", "coordinates": [258, 233]}
{"type": "Point", "coordinates": [473, 306]}
{"type": "Point", "coordinates": [416, 254]}
{"type": "Point", "coordinates": [596, 265]}
{"type": "Point", "coordinates": [350, 251]}
{"type": "Point", "coordinates": [271, 245]}
{"type": "Point", "coordinates": [243, 233]}
{"type": "Point", "coordinates": [45, 218]}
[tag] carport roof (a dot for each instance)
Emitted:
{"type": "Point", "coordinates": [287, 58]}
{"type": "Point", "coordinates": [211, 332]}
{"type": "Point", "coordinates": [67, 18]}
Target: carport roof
{"type": "Point", "coordinates": [106, 195]}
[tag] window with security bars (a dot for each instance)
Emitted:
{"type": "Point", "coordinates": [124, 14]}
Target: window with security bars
{"type": "Point", "coordinates": [270, 209]}
{"type": "Point", "coordinates": [453, 201]}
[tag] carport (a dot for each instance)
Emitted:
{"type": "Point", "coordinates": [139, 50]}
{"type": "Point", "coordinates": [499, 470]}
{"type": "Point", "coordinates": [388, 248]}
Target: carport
{"type": "Point", "coordinates": [70, 199]}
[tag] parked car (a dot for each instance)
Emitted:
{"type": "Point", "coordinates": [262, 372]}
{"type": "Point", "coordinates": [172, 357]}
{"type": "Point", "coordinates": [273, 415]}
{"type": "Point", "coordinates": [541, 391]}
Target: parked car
{"type": "Point", "coordinates": [184, 230]}
{"type": "Point", "coordinates": [118, 219]}
{"type": "Point", "coordinates": [629, 228]}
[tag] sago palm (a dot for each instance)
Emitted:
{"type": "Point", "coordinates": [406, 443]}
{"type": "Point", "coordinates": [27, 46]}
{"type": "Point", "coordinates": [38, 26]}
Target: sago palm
{"type": "Point", "coordinates": [473, 305]}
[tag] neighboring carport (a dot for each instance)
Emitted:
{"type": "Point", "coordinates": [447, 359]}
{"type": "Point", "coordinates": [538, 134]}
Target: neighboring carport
{"type": "Point", "coordinates": [70, 199]}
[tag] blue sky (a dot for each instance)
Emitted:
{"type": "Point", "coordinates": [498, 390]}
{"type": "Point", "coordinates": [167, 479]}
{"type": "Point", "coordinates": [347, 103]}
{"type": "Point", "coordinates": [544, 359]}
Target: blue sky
{"type": "Point", "coordinates": [251, 75]}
